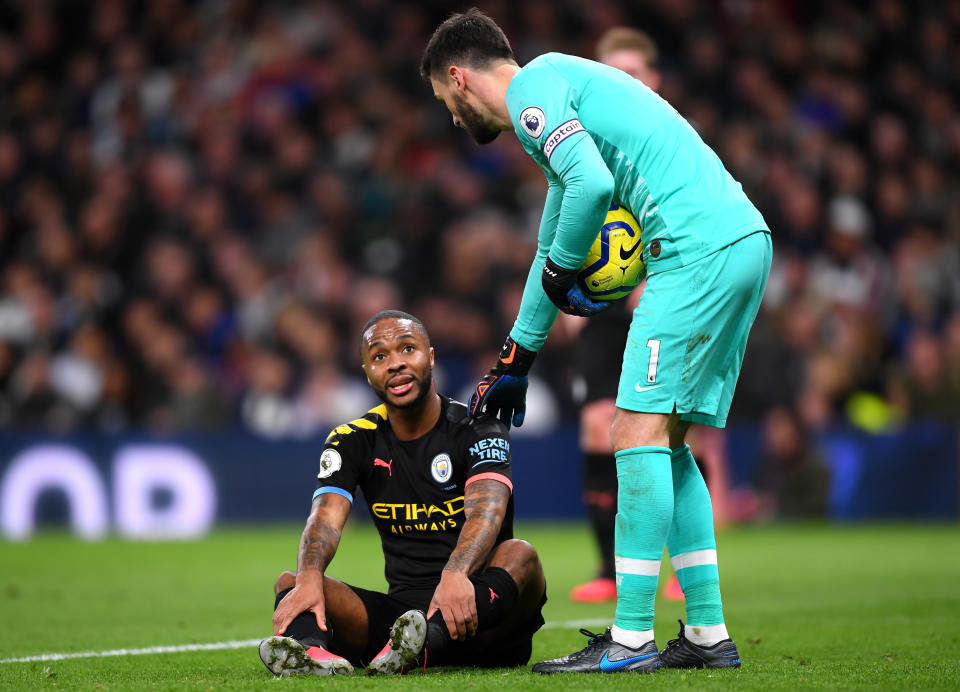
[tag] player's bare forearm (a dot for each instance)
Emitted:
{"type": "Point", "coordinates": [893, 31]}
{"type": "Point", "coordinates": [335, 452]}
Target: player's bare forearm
{"type": "Point", "coordinates": [485, 505]}
{"type": "Point", "coordinates": [321, 535]}
{"type": "Point", "coordinates": [318, 544]}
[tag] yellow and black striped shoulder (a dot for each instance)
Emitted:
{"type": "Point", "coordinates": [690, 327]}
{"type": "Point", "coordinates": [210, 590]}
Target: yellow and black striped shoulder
{"type": "Point", "coordinates": [371, 420]}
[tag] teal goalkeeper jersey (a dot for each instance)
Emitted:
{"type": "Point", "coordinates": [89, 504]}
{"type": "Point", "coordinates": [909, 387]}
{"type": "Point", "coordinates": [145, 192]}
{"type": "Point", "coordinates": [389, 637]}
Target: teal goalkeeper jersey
{"type": "Point", "coordinates": [600, 136]}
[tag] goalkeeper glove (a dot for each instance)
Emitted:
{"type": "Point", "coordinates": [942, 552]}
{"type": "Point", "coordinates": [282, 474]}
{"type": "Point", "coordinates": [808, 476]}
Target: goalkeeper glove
{"type": "Point", "coordinates": [503, 391]}
{"type": "Point", "coordinates": [561, 288]}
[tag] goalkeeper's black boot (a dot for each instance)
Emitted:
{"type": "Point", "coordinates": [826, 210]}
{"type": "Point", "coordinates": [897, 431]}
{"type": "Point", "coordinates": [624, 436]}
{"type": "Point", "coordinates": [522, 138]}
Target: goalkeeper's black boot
{"type": "Point", "coordinates": [403, 650]}
{"type": "Point", "coordinates": [682, 653]}
{"type": "Point", "coordinates": [603, 655]}
{"type": "Point", "coordinates": [284, 656]}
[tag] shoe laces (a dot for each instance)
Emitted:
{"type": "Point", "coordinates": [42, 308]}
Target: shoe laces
{"type": "Point", "coordinates": [680, 636]}
{"type": "Point", "coordinates": [592, 636]}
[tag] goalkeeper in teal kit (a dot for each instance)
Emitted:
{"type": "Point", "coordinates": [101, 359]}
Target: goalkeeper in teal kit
{"type": "Point", "coordinates": [601, 137]}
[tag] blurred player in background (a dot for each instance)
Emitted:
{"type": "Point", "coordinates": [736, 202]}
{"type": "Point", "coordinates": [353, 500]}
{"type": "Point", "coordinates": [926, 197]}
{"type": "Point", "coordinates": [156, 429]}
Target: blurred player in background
{"type": "Point", "coordinates": [632, 51]}
{"type": "Point", "coordinates": [600, 135]}
{"type": "Point", "coordinates": [600, 344]}
{"type": "Point", "coordinates": [462, 591]}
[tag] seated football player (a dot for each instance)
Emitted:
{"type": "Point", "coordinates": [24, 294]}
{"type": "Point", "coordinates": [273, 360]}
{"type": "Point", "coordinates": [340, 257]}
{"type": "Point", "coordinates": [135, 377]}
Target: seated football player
{"type": "Point", "coordinates": [461, 590]}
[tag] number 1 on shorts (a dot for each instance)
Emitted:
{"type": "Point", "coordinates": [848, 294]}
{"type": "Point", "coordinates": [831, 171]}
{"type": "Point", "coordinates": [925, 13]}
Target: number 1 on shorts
{"type": "Point", "coordinates": [654, 346]}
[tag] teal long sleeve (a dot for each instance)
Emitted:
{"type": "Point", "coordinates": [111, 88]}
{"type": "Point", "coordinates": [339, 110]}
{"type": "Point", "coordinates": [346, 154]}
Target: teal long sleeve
{"type": "Point", "coordinates": [577, 202]}
{"type": "Point", "coordinates": [587, 191]}
{"type": "Point", "coordinates": [537, 314]}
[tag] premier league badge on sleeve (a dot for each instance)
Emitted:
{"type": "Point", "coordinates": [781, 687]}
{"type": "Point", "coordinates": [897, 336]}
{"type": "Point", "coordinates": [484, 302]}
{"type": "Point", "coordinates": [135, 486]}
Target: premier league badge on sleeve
{"type": "Point", "coordinates": [441, 467]}
{"type": "Point", "coordinates": [330, 462]}
{"type": "Point", "coordinates": [533, 121]}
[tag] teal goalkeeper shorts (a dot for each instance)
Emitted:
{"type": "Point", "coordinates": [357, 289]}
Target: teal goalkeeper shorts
{"type": "Point", "coordinates": [689, 331]}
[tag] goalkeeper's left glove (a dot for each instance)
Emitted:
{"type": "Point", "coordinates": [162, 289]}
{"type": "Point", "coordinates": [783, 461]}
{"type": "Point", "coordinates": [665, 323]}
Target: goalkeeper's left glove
{"type": "Point", "coordinates": [561, 288]}
{"type": "Point", "coordinates": [503, 391]}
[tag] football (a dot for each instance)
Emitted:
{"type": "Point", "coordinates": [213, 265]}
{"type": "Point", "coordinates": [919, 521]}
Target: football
{"type": "Point", "coordinates": [614, 266]}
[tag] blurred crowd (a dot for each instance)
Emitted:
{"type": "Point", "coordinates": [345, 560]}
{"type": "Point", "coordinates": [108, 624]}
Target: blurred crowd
{"type": "Point", "coordinates": [202, 201]}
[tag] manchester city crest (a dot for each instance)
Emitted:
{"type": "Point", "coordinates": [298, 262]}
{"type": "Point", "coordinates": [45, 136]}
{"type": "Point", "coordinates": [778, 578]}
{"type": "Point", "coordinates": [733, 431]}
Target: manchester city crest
{"type": "Point", "coordinates": [441, 467]}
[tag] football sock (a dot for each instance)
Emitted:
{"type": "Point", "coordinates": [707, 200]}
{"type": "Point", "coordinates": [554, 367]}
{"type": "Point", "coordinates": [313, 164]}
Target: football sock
{"type": "Point", "coordinates": [693, 548]}
{"type": "Point", "coordinates": [496, 593]}
{"type": "Point", "coordinates": [631, 638]}
{"type": "Point", "coordinates": [600, 497]}
{"type": "Point", "coordinates": [304, 627]}
{"type": "Point", "coordinates": [644, 511]}
{"type": "Point", "coordinates": [438, 639]}
{"type": "Point", "coordinates": [706, 635]}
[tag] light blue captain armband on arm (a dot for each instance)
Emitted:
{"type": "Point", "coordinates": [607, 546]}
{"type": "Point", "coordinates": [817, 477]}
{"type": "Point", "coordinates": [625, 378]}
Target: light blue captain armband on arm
{"type": "Point", "coordinates": [332, 489]}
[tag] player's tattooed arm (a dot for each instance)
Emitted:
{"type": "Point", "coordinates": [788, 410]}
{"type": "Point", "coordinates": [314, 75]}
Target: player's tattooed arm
{"type": "Point", "coordinates": [485, 505]}
{"type": "Point", "coordinates": [321, 535]}
{"type": "Point", "coordinates": [318, 544]}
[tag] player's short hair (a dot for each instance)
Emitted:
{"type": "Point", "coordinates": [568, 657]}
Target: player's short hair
{"type": "Point", "coordinates": [625, 38]}
{"type": "Point", "coordinates": [395, 315]}
{"type": "Point", "coordinates": [468, 38]}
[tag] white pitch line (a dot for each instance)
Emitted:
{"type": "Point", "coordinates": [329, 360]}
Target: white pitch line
{"type": "Point", "coordinates": [236, 644]}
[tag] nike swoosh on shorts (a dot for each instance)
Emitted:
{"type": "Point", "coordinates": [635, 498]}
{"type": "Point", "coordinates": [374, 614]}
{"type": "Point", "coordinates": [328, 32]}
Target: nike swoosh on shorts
{"type": "Point", "coordinates": [638, 388]}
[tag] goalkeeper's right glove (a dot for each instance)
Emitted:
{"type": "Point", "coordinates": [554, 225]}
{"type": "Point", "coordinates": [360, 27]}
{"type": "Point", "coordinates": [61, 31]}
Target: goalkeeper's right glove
{"type": "Point", "coordinates": [503, 391]}
{"type": "Point", "coordinates": [561, 288]}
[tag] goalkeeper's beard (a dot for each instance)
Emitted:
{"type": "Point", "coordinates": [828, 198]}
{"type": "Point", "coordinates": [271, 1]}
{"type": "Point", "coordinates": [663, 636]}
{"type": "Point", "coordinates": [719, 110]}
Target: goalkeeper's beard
{"type": "Point", "coordinates": [469, 117]}
{"type": "Point", "coordinates": [424, 390]}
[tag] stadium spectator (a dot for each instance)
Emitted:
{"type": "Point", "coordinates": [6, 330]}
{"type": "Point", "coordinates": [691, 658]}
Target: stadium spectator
{"type": "Point", "coordinates": [286, 150]}
{"type": "Point", "coordinates": [792, 481]}
{"type": "Point", "coordinates": [925, 389]}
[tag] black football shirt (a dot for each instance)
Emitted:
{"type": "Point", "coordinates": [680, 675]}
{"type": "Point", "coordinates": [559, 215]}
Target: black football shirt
{"type": "Point", "coordinates": [415, 488]}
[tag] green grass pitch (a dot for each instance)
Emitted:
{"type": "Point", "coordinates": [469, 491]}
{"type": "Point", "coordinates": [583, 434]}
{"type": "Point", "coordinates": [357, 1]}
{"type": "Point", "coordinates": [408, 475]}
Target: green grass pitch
{"type": "Point", "coordinates": [809, 606]}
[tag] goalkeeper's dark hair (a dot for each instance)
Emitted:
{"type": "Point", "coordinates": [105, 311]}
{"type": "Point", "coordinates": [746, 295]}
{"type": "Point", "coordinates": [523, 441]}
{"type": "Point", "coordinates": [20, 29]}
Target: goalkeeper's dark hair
{"type": "Point", "coordinates": [468, 38]}
{"type": "Point", "coordinates": [393, 315]}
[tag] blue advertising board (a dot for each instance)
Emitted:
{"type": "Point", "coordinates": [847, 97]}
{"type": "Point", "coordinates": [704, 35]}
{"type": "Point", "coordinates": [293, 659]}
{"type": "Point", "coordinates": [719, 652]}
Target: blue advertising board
{"type": "Point", "coordinates": [142, 486]}
{"type": "Point", "coordinates": [177, 487]}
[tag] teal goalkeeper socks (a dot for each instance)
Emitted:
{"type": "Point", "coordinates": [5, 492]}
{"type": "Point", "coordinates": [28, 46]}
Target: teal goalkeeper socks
{"type": "Point", "coordinates": [691, 542]}
{"type": "Point", "coordinates": [644, 513]}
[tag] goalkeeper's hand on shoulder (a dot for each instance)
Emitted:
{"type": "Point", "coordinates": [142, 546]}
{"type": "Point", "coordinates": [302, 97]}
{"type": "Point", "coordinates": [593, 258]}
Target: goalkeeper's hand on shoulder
{"type": "Point", "coordinates": [561, 288]}
{"type": "Point", "coordinates": [503, 391]}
